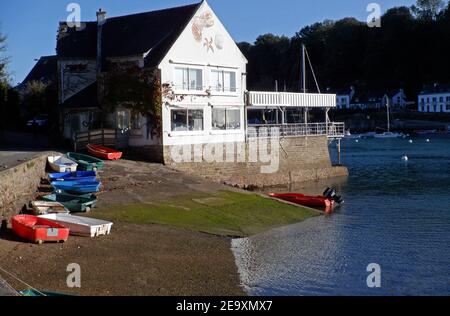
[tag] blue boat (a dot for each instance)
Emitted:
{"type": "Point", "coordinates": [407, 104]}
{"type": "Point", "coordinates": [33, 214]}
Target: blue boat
{"type": "Point", "coordinates": [73, 176]}
{"type": "Point", "coordinates": [77, 187]}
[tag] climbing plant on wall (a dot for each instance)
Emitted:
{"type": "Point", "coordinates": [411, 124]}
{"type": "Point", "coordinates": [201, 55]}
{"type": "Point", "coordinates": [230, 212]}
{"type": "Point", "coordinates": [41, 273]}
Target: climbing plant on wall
{"type": "Point", "coordinates": [129, 86]}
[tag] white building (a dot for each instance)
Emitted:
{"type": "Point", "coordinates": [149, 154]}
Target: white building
{"type": "Point", "coordinates": [434, 99]}
{"type": "Point", "coordinates": [198, 61]}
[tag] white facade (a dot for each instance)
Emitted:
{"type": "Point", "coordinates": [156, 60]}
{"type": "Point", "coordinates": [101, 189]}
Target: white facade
{"type": "Point", "coordinates": [207, 74]}
{"type": "Point", "coordinates": [434, 102]}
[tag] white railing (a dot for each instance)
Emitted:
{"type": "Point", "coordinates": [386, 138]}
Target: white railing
{"type": "Point", "coordinates": [285, 99]}
{"type": "Point", "coordinates": [332, 130]}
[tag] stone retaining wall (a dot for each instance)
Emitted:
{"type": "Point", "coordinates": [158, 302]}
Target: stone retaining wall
{"type": "Point", "coordinates": [18, 185]}
{"type": "Point", "coordinates": [300, 159]}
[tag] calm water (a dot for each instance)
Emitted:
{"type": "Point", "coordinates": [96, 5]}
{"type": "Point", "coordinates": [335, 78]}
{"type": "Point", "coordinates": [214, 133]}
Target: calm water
{"type": "Point", "coordinates": [397, 214]}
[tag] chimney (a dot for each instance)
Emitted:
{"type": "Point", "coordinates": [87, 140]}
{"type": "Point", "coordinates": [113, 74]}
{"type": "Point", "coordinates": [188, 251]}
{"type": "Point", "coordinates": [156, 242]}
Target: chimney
{"type": "Point", "coordinates": [101, 20]}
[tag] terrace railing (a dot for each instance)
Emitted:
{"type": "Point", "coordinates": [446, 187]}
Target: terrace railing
{"type": "Point", "coordinates": [284, 99]}
{"type": "Point", "coordinates": [331, 130]}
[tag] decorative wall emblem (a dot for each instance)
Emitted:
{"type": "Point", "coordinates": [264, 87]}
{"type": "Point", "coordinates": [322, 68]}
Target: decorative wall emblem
{"type": "Point", "coordinates": [200, 26]}
{"type": "Point", "coordinates": [201, 22]}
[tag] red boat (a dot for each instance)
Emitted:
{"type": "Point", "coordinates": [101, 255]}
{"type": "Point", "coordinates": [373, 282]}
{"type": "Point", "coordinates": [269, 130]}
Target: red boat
{"type": "Point", "coordinates": [38, 230]}
{"type": "Point", "coordinates": [320, 202]}
{"type": "Point", "coordinates": [104, 152]}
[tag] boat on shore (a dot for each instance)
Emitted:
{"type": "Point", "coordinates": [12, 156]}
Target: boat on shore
{"type": "Point", "coordinates": [77, 187]}
{"type": "Point", "coordinates": [74, 203]}
{"type": "Point", "coordinates": [45, 207]}
{"type": "Point", "coordinates": [81, 226]}
{"type": "Point", "coordinates": [73, 176]}
{"type": "Point", "coordinates": [104, 152]}
{"type": "Point", "coordinates": [62, 164]}
{"type": "Point", "coordinates": [85, 162]}
{"type": "Point", "coordinates": [38, 230]}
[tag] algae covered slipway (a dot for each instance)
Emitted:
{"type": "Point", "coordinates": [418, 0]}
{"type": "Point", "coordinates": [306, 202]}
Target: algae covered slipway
{"type": "Point", "coordinates": [171, 236]}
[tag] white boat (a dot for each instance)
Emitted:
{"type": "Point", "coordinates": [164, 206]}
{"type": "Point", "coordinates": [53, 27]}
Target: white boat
{"type": "Point", "coordinates": [44, 208]}
{"type": "Point", "coordinates": [389, 135]}
{"type": "Point", "coordinates": [81, 226]}
{"type": "Point", "coordinates": [349, 135]}
{"type": "Point", "coordinates": [62, 164]}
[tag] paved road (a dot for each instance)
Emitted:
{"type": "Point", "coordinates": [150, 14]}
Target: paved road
{"type": "Point", "coordinates": [15, 148]}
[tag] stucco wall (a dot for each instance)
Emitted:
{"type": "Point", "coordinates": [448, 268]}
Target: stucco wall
{"type": "Point", "coordinates": [19, 185]}
{"type": "Point", "coordinates": [300, 159]}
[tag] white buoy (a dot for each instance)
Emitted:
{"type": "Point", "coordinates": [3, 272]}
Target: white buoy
{"type": "Point", "coordinates": [405, 158]}
{"type": "Point", "coordinates": [428, 140]}
{"type": "Point", "coordinates": [357, 141]}
{"type": "Point", "coordinates": [410, 141]}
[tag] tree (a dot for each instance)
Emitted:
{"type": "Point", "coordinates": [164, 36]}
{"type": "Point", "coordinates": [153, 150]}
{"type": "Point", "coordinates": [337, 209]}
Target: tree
{"type": "Point", "coordinates": [428, 10]}
{"type": "Point", "coordinates": [4, 77]}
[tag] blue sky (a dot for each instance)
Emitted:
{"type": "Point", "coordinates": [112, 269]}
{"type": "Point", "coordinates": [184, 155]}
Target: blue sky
{"type": "Point", "coordinates": [31, 25]}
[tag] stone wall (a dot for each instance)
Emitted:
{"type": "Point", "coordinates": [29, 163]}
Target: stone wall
{"type": "Point", "coordinates": [18, 185]}
{"type": "Point", "coordinates": [300, 159]}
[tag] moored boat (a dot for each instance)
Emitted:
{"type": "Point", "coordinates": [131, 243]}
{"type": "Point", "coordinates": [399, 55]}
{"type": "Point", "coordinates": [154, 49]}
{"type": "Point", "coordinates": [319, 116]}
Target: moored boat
{"type": "Point", "coordinates": [74, 203]}
{"type": "Point", "coordinates": [73, 176]}
{"type": "Point", "coordinates": [77, 187]}
{"type": "Point", "coordinates": [387, 135]}
{"type": "Point", "coordinates": [81, 226]}
{"type": "Point", "coordinates": [44, 207]}
{"type": "Point", "coordinates": [305, 200]}
{"type": "Point", "coordinates": [104, 152]}
{"type": "Point", "coordinates": [62, 164]}
{"type": "Point", "coordinates": [38, 230]}
{"type": "Point", "coordinates": [85, 162]}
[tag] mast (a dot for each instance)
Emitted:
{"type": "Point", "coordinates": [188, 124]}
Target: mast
{"type": "Point", "coordinates": [303, 68]}
{"type": "Point", "coordinates": [388, 115]}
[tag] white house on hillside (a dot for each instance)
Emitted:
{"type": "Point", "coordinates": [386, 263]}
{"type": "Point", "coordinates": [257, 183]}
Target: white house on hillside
{"type": "Point", "coordinates": [195, 56]}
{"type": "Point", "coordinates": [435, 99]}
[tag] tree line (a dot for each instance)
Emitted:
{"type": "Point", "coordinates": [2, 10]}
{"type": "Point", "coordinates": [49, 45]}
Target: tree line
{"type": "Point", "coordinates": [410, 49]}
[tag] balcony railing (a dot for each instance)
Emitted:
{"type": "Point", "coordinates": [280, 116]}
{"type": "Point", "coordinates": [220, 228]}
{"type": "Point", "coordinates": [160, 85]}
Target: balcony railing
{"type": "Point", "coordinates": [331, 130]}
{"type": "Point", "coordinates": [284, 99]}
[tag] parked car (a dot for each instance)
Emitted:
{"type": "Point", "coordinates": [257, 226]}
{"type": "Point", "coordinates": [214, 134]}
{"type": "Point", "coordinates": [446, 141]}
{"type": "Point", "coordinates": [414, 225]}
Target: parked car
{"type": "Point", "coordinates": [38, 121]}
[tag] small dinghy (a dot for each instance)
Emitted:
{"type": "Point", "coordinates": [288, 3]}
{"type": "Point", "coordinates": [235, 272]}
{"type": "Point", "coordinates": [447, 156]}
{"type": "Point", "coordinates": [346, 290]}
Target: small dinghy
{"type": "Point", "coordinates": [38, 230]}
{"type": "Point", "coordinates": [81, 226]}
{"type": "Point", "coordinates": [74, 203]}
{"type": "Point", "coordinates": [104, 152]}
{"type": "Point", "coordinates": [328, 201]}
{"type": "Point", "coordinates": [73, 176]}
{"type": "Point", "coordinates": [85, 162]}
{"type": "Point", "coordinates": [62, 164]}
{"type": "Point", "coordinates": [77, 187]}
{"type": "Point", "coordinates": [43, 208]}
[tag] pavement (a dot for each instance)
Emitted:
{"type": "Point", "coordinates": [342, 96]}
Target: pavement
{"type": "Point", "coordinates": [18, 147]}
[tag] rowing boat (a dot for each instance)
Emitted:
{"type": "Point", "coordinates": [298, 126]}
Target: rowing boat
{"type": "Point", "coordinates": [73, 176]}
{"type": "Point", "coordinates": [85, 162]}
{"type": "Point", "coordinates": [74, 203]}
{"type": "Point", "coordinates": [104, 152]}
{"type": "Point", "coordinates": [62, 164]}
{"type": "Point", "coordinates": [38, 230]}
{"type": "Point", "coordinates": [77, 187]}
{"type": "Point", "coordinates": [81, 226]}
{"type": "Point", "coordinates": [319, 202]}
{"type": "Point", "coordinates": [45, 207]}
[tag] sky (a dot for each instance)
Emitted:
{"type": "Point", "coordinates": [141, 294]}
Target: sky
{"type": "Point", "coordinates": [31, 25]}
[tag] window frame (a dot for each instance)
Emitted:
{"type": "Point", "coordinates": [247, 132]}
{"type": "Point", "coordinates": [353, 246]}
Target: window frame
{"type": "Point", "coordinates": [222, 72]}
{"type": "Point", "coordinates": [226, 130]}
{"type": "Point", "coordinates": [187, 131]}
{"type": "Point", "coordinates": [188, 90]}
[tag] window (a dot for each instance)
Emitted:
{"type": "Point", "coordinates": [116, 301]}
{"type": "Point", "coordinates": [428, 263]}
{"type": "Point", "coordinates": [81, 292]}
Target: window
{"type": "Point", "coordinates": [448, 107]}
{"type": "Point", "coordinates": [123, 120]}
{"type": "Point", "coordinates": [184, 120]}
{"type": "Point", "coordinates": [441, 99]}
{"type": "Point", "coordinates": [188, 79]}
{"type": "Point", "coordinates": [223, 81]}
{"type": "Point", "coordinates": [76, 68]}
{"type": "Point", "coordinates": [226, 119]}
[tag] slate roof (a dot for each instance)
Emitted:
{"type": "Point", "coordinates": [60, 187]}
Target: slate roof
{"type": "Point", "coordinates": [45, 71]}
{"type": "Point", "coordinates": [129, 35]}
{"type": "Point", "coordinates": [86, 98]}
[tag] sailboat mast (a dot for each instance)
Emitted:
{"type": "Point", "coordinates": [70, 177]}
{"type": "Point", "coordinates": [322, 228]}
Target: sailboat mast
{"type": "Point", "coordinates": [303, 68]}
{"type": "Point", "coordinates": [388, 116]}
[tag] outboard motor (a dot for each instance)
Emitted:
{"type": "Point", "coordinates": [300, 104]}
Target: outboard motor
{"type": "Point", "coordinates": [330, 193]}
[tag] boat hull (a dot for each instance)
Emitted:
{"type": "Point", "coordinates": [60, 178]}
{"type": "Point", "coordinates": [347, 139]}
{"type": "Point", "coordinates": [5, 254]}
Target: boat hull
{"type": "Point", "coordinates": [38, 230]}
{"type": "Point", "coordinates": [77, 187]}
{"type": "Point", "coordinates": [75, 204]}
{"type": "Point", "coordinates": [81, 226]}
{"type": "Point", "coordinates": [45, 207]}
{"type": "Point", "coordinates": [318, 202]}
{"type": "Point", "coordinates": [85, 162]}
{"type": "Point", "coordinates": [72, 176]}
{"type": "Point", "coordinates": [62, 164]}
{"type": "Point", "coordinates": [104, 152]}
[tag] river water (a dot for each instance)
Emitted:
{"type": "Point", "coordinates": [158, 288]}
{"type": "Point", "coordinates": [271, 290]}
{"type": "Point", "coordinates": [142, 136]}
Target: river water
{"type": "Point", "coordinates": [396, 215]}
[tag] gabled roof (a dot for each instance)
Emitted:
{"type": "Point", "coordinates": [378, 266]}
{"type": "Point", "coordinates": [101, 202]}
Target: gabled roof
{"type": "Point", "coordinates": [137, 34]}
{"type": "Point", "coordinates": [45, 71]}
